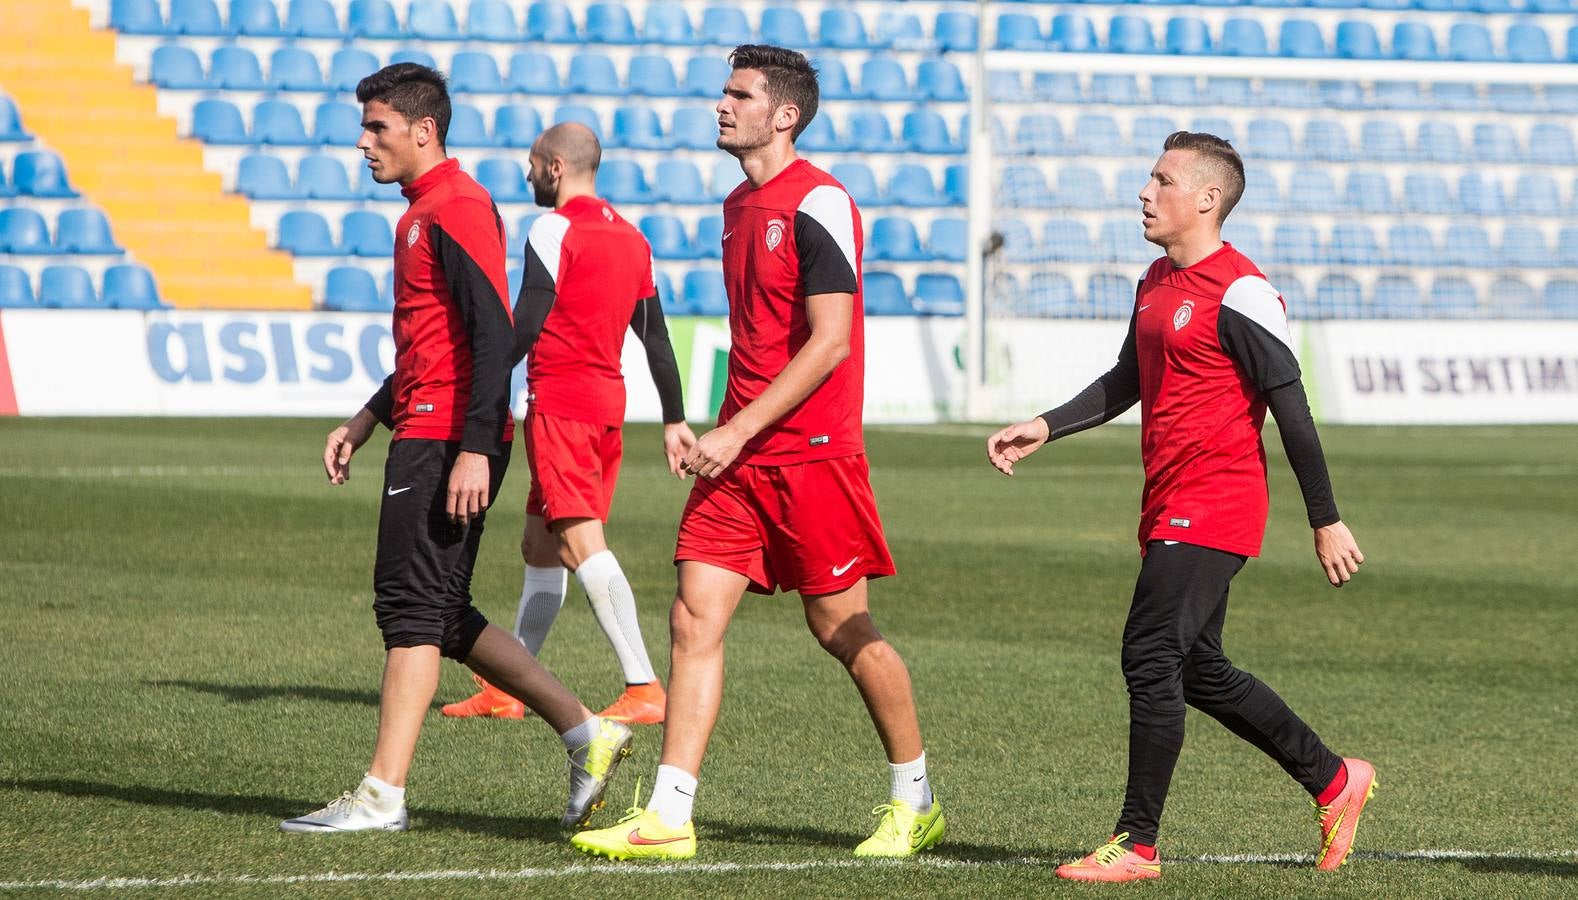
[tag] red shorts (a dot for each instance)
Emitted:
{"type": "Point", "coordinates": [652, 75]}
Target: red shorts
{"type": "Point", "coordinates": [574, 467]}
{"type": "Point", "coordinates": [809, 527]}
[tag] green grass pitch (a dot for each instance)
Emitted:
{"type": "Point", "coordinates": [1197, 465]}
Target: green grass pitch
{"type": "Point", "coordinates": [189, 656]}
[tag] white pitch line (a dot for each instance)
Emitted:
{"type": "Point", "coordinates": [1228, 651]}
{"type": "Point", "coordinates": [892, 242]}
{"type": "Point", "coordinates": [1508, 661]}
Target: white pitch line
{"type": "Point", "coordinates": [668, 869]}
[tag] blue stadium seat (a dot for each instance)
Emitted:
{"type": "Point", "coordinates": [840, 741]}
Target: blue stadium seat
{"type": "Point", "coordinates": [1130, 34]}
{"type": "Point", "coordinates": [373, 19]}
{"type": "Point", "coordinates": [666, 235]}
{"type": "Point", "coordinates": [1123, 240]}
{"type": "Point", "coordinates": [1551, 143]}
{"type": "Point", "coordinates": [652, 76]}
{"type": "Point", "coordinates": [504, 180]}
{"type": "Point", "coordinates": [1295, 243]}
{"type": "Point", "coordinates": [1290, 92]}
{"type": "Point", "coordinates": [305, 233]}
{"type": "Point", "coordinates": [1481, 195]}
{"type": "Point", "coordinates": [197, 18]}
{"type": "Point", "coordinates": [516, 125]}
{"type": "Point", "coordinates": [704, 293]}
{"type": "Point", "coordinates": [219, 122]}
{"type": "Point", "coordinates": [1244, 37]}
{"type": "Point", "coordinates": [622, 181]}
{"type": "Point", "coordinates": [1369, 192]}
{"type": "Point", "coordinates": [1107, 87]}
{"type": "Point", "coordinates": [1313, 191]}
{"type": "Point", "coordinates": [1097, 134]}
{"type": "Point", "coordinates": [517, 238]}
{"type": "Point", "coordinates": [1227, 92]}
{"type": "Point", "coordinates": [336, 124]}
{"type": "Point", "coordinates": [725, 26]}
{"type": "Point", "coordinates": [709, 237]}
{"type": "Point", "coordinates": [1292, 291]}
{"type": "Point", "coordinates": [1427, 193]}
{"type": "Point", "coordinates": [176, 67]}
{"type": "Point", "coordinates": [16, 288]}
{"type": "Point", "coordinates": [637, 127]}
{"type": "Point", "coordinates": [130, 286]}
{"type": "Point", "coordinates": [1358, 40]}
{"type": "Point", "coordinates": [85, 231]}
{"type": "Point", "coordinates": [1513, 298]}
{"type": "Point", "coordinates": [665, 290]}
{"type": "Point", "coordinates": [1017, 31]}
{"type": "Point", "coordinates": [938, 294]}
{"type": "Point", "coordinates": [1066, 240]}
{"type": "Point", "coordinates": [311, 19]}
{"type": "Point", "coordinates": [11, 121]}
{"type": "Point", "coordinates": [1262, 191]}
{"type": "Point", "coordinates": [1567, 247]}
{"type": "Point", "coordinates": [1340, 297]}
{"type": "Point", "coordinates": [294, 69]}
{"type": "Point", "coordinates": [575, 112]}
{"type": "Point", "coordinates": [1018, 245]}
{"type": "Point", "coordinates": [1470, 42]}
{"type": "Point", "coordinates": [1354, 244]}
{"type": "Point", "coordinates": [884, 295]}
{"type": "Point", "coordinates": [1560, 298]}
{"type": "Point", "coordinates": [694, 128]}
{"type": "Point", "coordinates": [1270, 139]}
{"type": "Point", "coordinates": [432, 20]}
{"type": "Point", "coordinates": [23, 231]}
{"type": "Point", "coordinates": [1398, 95]}
{"type": "Point", "coordinates": [1005, 87]}
{"type": "Point", "coordinates": [534, 73]}
{"type": "Point", "coordinates": [610, 23]}
{"type": "Point", "coordinates": [491, 20]}
{"type": "Point", "coordinates": [264, 177]}
{"type": "Point", "coordinates": [1494, 142]}
{"type": "Point", "coordinates": [1453, 298]}
{"type": "Point", "coordinates": [1245, 238]}
{"type": "Point", "coordinates": [705, 76]}
{"type": "Point", "coordinates": [940, 80]}
{"type": "Point", "coordinates": [136, 17]}
{"type": "Point", "coordinates": [1518, 98]}
{"type": "Point", "coordinates": [667, 23]}
{"type": "Point", "coordinates": [1187, 36]}
{"type": "Point", "coordinates": [1056, 87]}
{"type": "Point", "coordinates": [1382, 140]}
{"type": "Point", "coordinates": [348, 66]}
{"type": "Point", "coordinates": [255, 18]}
{"type": "Point", "coordinates": [1325, 139]}
{"type": "Point", "coordinates": [593, 73]}
{"type": "Point", "coordinates": [466, 128]}
{"type": "Point", "coordinates": [1454, 95]}
{"type": "Point", "coordinates": [924, 131]}
{"type": "Point", "coordinates": [859, 181]}
{"type": "Point", "coordinates": [1222, 128]}
{"type": "Point", "coordinates": [1129, 183]}
{"type": "Point", "coordinates": [351, 289]}
{"type": "Point", "coordinates": [1470, 244]}
{"type": "Point", "coordinates": [882, 78]}
{"type": "Point", "coordinates": [40, 173]}
{"type": "Point", "coordinates": [841, 27]}
{"type": "Point", "coordinates": [471, 72]}
{"type": "Point", "coordinates": [368, 189]}
{"type": "Point", "coordinates": [912, 185]}
{"type": "Point", "coordinates": [1080, 187]}
{"type": "Point", "coordinates": [279, 123]}
{"type": "Point", "coordinates": [832, 78]}
{"type": "Point", "coordinates": [1175, 90]}
{"type": "Point", "coordinates": [1300, 39]}
{"type": "Point", "coordinates": [1148, 134]}
{"type": "Point", "coordinates": [413, 55]}
{"type": "Point", "coordinates": [1110, 295]}
{"type": "Point", "coordinates": [1050, 295]}
{"type": "Point", "coordinates": [322, 177]}
{"type": "Point", "coordinates": [783, 26]}
{"type": "Point", "coordinates": [948, 239]}
{"type": "Point", "coordinates": [1025, 187]}
{"type": "Point", "coordinates": [1396, 297]}
{"type": "Point", "coordinates": [364, 233]}
{"type": "Point", "coordinates": [1438, 141]}
{"type": "Point", "coordinates": [1414, 40]}
{"type": "Point", "coordinates": [956, 31]}
{"type": "Point", "coordinates": [1071, 33]}
{"type": "Point", "coordinates": [551, 21]}
{"type": "Point", "coordinates": [235, 69]}
{"type": "Point", "coordinates": [1524, 246]}
{"type": "Point", "coordinates": [900, 30]}
{"type": "Point", "coordinates": [868, 130]}
{"type": "Point", "coordinates": [956, 184]}
{"type": "Point", "coordinates": [894, 238]}
{"type": "Point", "coordinates": [1536, 194]}
{"type": "Point", "coordinates": [678, 181]}
{"type": "Point", "coordinates": [67, 287]}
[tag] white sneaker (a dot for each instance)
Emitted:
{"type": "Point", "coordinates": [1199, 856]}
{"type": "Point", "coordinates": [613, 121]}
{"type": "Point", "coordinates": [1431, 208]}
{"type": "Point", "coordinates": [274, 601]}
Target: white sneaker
{"type": "Point", "coordinates": [350, 812]}
{"type": "Point", "coordinates": [590, 775]}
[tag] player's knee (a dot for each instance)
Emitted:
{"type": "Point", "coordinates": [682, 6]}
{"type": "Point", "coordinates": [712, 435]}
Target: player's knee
{"type": "Point", "coordinates": [693, 632]}
{"type": "Point", "coordinates": [847, 640]}
{"type": "Point", "coordinates": [1148, 671]}
{"type": "Point", "coordinates": [567, 557]}
{"type": "Point", "coordinates": [462, 626]}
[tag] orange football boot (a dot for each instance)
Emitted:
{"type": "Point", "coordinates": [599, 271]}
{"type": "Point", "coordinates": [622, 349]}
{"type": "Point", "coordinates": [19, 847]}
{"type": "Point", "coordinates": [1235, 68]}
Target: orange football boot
{"type": "Point", "coordinates": [1112, 862]}
{"type": "Point", "coordinates": [489, 702]}
{"type": "Point", "coordinates": [1339, 819]}
{"type": "Point", "coordinates": [640, 704]}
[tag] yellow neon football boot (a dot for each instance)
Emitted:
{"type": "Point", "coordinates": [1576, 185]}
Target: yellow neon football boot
{"type": "Point", "coordinates": [639, 835]}
{"type": "Point", "coordinates": [902, 831]}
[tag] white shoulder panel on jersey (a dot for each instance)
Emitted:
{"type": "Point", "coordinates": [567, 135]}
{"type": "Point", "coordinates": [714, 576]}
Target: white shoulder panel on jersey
{"type": "Point", "coordinates": [1254, 297]}
{"type": "Point", "coordinates": [546, 237]}
{"type": "Point", "coordinates": [831, 208]}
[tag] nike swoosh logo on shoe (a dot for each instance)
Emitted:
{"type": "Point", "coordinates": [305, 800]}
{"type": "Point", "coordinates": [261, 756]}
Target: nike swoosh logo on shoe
{"type": "Point", "coordinates": [639, 841]}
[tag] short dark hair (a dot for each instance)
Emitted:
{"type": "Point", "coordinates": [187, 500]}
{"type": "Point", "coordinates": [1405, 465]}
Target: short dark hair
{"type": "Point", "coordinates": [412, 90]}
{"type": "Point", "coordinates": [790, 78]}
{"type": "Point", "coordinates": [1220, 156]}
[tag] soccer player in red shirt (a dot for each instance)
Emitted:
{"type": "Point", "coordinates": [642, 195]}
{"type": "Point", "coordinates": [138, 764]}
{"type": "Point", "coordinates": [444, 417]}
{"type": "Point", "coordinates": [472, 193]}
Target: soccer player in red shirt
{"type": "Point", "coordinates": [1207, 353]}
{"type": "Point", "coordinates": [588, 278]}
{"type": "Point", "coordinates": [447, 403]}
{"type": "Point", "coordinates": [784, 495]}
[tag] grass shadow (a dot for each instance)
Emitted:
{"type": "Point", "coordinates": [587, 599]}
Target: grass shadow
{"type": "Point", "coordinates": [759, 834]}
{"type": "Point", "coordinates": [1523, 865]}
{"type": "Point", "coordinates": [252, 693]}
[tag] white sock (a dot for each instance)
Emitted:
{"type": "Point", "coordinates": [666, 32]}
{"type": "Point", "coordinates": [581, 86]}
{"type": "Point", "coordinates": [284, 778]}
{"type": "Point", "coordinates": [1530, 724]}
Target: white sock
{"type": "Point", "coordinates": [542, 596]}
{"type": "Point", "coordinates": [910, 784]}
{"type": "Point", "coordinates": [381, 796]}
{"type": "Point", "coordinates": [673, 795]}
{"type": "Point", "coordinates": [576, 739]}
{"type": "Point", "coordinates": [614, 604]}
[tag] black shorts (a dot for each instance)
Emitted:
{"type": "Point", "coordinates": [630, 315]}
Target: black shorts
{"type": "Point", "coordinates": [422, 580]}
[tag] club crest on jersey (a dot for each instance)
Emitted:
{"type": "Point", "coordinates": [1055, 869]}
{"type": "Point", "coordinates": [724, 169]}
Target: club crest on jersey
{"type": "Point", "coordinates": [413, 234]}
{"type": "Point", "coordinates": [775, 234]}
{"type": "Point", "coordinates": [1181, 317]}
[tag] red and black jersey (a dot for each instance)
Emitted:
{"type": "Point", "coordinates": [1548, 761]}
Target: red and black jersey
{"type": "Point", "coordinates": [795, 236]}
{"type": "Point", "coordinates": [452, 328]}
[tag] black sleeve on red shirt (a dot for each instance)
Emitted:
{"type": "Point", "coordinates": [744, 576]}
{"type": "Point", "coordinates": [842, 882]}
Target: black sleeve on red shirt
{"type": "Point", "coordinates": [538, 292]}
{"type": "Point", "coordinates": [1302, 444]}
{"type": "Point", "coordinates": [463, 251]}
{"type": "Point", "coordinates": [1253, 329]}
{"type": "Point", "coordinates": [381, 403]}
{"type": "Point", "coordinates": [1105, 399]}
{"type": "Point", "coordinates": [649, 326]}
{"type": "Point", "coordinates": [824, 266]}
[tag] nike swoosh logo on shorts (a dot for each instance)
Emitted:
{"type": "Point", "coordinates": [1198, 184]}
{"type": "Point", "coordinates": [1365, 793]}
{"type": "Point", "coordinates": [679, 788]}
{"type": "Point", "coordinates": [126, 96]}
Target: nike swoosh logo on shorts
{"type": "Point", "coordinates": [636, 839]}
{"type": "Point", "coordinates": [839, 570]}
{"type": "Point", "coordinates": [392, 491]}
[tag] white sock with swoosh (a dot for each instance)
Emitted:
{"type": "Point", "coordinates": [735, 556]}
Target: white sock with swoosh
{"type": "Point", "coordinates": [910, 784]}
{"type": "Point", "coordinates": [673, 795]}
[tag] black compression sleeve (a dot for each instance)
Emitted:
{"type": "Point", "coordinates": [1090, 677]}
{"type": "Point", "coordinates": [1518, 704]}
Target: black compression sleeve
{"type": "Point", "coordinates": [487, 323]}
{"type": "Point", "coordinates": [1104, 400]}
{"type": "Point", "coordinates": [649, 326]}
{"type": "Point", "coordinates": [1302, 444]}
{"type": "Point", "coordinates": [538, 292]}
{"type": "Point", "coordinates": [381, 403]}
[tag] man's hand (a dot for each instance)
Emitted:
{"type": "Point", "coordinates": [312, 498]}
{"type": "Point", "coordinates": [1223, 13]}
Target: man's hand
{"type": "Point", "coordinates": [678, 439]}
{"type": "Point", "coordinates": [714, 451]}
{"type": "Point", "coordinates": [344, 441]}
{"type": "Point", "coordinates": [1338, 553]}
{"type": "Point", "coordinates": [468, 487]}
{"type": "Point", "coordinates": [1014, 443]}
